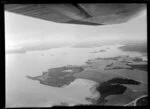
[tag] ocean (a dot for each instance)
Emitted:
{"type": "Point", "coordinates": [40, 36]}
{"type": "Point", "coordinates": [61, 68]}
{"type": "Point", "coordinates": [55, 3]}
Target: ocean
{"type": "Point", "coordinates": [23, 92]}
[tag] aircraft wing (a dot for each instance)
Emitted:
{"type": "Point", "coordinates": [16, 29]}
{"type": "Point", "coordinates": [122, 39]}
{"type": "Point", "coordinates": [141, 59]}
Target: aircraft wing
{"type": "Point", "coordinates": [82, 13]}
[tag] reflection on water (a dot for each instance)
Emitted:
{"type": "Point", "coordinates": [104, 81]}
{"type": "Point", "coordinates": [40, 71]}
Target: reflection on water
{"type": "Point", "coordinates": [24, 92]}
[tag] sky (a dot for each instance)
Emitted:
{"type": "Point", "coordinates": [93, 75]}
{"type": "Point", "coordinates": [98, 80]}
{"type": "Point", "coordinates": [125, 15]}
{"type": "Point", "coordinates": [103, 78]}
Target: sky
{"type": "Point", "coordinates": [23, 31]}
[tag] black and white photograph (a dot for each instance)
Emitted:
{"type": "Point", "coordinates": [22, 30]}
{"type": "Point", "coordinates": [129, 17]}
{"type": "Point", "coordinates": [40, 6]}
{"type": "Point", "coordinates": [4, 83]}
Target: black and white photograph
{"type": "Point", "coordinates": [75, 54]}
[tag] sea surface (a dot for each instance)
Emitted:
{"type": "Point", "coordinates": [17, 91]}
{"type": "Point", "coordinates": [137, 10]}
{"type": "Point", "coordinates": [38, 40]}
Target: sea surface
{"type": "Point", "coordinates": [23, 92]}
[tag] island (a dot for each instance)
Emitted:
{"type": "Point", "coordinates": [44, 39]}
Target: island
{"type": "Point", "coordinates": [58, 77]}
{"type": "Point", "coordinates": [137, 47]}
{"type": "Point", "coordinates": [118, 81]}
{"type": "Point", "coordinates": [142, 101]}
{"type": "Point", "coordinates": [98, 51]}
{"type": "Point", "coordinates": [102, 50]}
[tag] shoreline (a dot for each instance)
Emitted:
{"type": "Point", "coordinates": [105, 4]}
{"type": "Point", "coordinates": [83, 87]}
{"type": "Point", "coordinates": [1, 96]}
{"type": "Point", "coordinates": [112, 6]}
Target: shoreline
{"type": "Point", "coordinates": [61, 77]}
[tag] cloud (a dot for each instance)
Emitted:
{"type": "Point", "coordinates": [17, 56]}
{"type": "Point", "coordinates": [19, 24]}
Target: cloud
{"type": "Point", "coordinates": [35, 47]}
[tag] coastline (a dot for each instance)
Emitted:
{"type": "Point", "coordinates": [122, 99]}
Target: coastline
{"type": "Point", "coordinates": [70, 73]}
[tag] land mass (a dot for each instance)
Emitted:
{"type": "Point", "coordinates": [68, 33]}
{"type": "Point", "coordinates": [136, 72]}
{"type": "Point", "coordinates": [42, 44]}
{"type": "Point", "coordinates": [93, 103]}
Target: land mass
{"type": "Point", "coordinates": [113, 83]}
{"type": "Point", "coordinates": [135, 47]}
{"type": "Point", "coordinates": [58, 77]}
